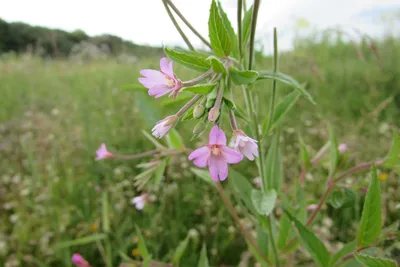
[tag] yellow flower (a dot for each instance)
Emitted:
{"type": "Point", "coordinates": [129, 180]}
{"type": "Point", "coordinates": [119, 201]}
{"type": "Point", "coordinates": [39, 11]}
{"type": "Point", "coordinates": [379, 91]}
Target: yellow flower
{"type": "Point", "coordinates": [383, 176]}
{"type": "Point", "coordinates": [135, 252]}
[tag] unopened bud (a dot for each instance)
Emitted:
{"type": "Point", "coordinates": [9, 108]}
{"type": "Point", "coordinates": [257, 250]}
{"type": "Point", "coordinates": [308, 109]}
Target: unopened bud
{"type": "Point", "coordinates": [213, 114]}
{"type": "Point", "coordinates": [198, 111]}
{"type": "Point", "coordinates": [210, 102]}
{"type": "Point", "coordinates": [199, 128]}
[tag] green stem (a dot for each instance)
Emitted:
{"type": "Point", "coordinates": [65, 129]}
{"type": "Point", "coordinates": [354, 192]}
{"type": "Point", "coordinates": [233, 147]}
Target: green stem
{"type": "Point", "coordinates": [273, 96]}
{"type": "Point", "coordinates": [184, 37]}
{"type": "Point", "coordinates": [239, 23]}
{"type": "Point", "coordinates": [253, 25]}
{"type": "Point", "coordinates": [272, 239]}
{"type": "Point", "coordinates": [187, 23]}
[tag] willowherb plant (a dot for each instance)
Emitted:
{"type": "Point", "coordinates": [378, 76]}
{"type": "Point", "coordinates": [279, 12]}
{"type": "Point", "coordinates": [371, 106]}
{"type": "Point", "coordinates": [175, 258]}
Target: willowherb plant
{"type": "Point", "coordinates": [225, 70]}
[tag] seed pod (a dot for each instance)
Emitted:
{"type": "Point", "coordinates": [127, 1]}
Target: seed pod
{"type": "Point", "coordinates": [198, 111]}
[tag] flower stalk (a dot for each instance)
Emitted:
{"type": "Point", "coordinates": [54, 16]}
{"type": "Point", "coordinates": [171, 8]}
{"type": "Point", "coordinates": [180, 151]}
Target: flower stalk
{"type": "Point", "coordinates": [198, 79]}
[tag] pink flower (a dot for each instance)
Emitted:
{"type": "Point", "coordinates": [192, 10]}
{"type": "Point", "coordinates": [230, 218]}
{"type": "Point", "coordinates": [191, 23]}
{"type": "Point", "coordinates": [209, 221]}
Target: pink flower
{"type": "Point", "coordinates": [140, 201]}
{"type": "Point", "coordinates": [161, 82]}
{"type": "Point", "coordinates": [102, 153]}
{"type": "Point", "coordinates": [342, 148]}
{"type": "Point", "coordinates": [216, 155]}
{"type": "Point", "coordinates": [245, 145]}
{"type": "Point", "coordinates": [312, 207]}
{"type": "Point", "coordinates": [79, 261]}
{"type": "Point", "coordinates": [163, 126]}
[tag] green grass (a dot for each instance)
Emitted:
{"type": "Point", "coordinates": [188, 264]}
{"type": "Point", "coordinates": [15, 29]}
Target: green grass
{"type": "Point", "coordinates": [55, 114]}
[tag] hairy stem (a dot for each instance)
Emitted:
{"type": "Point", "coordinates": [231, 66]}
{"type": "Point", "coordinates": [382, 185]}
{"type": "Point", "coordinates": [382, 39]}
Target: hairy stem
{"type": "Point", "coordinates": [198, 79]}
{"type": "Point", "coordinates": [190, 103]}
{"type": "Point", "coordinates": [184, 37]}
{"type": "Point", "coordinates": [235, 216]}
{"type": "Point", "coordinates": [187, 23]}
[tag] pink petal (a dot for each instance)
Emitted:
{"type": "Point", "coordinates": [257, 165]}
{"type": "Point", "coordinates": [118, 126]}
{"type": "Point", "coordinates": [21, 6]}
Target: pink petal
{"type": "Point", "coordinates": [218, 168]}
{"type": "Point", "coordinates": [166, 67]}
{"type": "Point", "coordinates": [159, 90]}
{"type": "Point", "coordinates": [222, 169]}
{"type": "Point", "coordinates": [231, 156]}
{"type": "Point", "coordinates": [217, 136]}
{"type": "Point", "coordinates": [152, 77]}
{"type": "Point", "coordinates": [200, 156]}
{"type": "Point", "coordinates": [213, 168]}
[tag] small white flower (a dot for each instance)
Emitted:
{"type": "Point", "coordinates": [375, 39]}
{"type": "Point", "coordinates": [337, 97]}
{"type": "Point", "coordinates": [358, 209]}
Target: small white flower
{"type": "Point", "coordinates": [139, 201]}
{"type": "Point", "coordinates": [245, 145]}
{"type": "Point", "coordinates": [164, 126]}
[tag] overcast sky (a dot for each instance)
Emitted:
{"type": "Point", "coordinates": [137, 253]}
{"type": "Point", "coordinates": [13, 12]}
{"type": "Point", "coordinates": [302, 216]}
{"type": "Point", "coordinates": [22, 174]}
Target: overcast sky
{"type": "Point", "coordinates": [146, 22]}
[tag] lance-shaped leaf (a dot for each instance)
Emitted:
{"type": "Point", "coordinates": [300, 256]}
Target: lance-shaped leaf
{"type": "Point", "coordinates": [281, 110]}
{"type": "Point", "coordinates": [241, 188]}
{"type": "Point", "coordinates": [203, 261]}
{"type": "Point", "coordinates": [81, 241]}
{"type": "Point", "coordinates": [311, 242]}
{"type": "Point", "coordinates": [217, 65]}
{"type": "Point", "coordinates": [264, 202]}
{"type": "Point", "coordinates": [246, 25]}
{"type": "Point", "coordinates": [274, 172]}
{"type": "Point", "coordinates": [346, 249]}
{"type": "Point", "coordinates": [393, 157]}
{"type": "Point", "coordinates": [188, 115]}
{"type": "Point", "coordinates": [369, 261]}
{"type": "Point", "coordinates": [230, 31]}
{"type": "Point", "coordinates": [371, 218]}
{"type": "Point", "coordinates": [142, 245]}
{"type": "Point", "coordinates": [180, 250]}
{"type": "Point", "coordinates": [243, 77]}
{"type": "Point", "coordinates": [201, 88]}
{"type": "Point", "coordinates": [174, 140]}
{"type": "Point", "coordinates": [279, 76]}
{"type": "Point", "coordinates": [220, 40]}
{"type": "Point", "coordinates": [188, 59]}
{"type": "Point", "coordinates": [304, 155]}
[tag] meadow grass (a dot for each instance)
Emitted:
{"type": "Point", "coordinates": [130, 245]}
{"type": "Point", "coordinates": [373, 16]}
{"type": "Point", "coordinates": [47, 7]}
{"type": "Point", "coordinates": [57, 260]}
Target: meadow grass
{"type": "Point", "coordinates": [54, 114]}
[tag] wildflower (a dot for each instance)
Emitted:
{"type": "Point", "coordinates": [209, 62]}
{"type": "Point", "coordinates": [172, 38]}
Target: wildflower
{"type": "Point", "coordinates": [161, 82]}
{"type": "Point", "coordinates": [216, 155]}
{"type": "Point", "coordinates": [245, 145]}
{"type": "Point", "coordinates": [140, 201]}
{"type": "Point", "coordinates": [164, 126]}
{"type": "Point", "coordinates": [312, 207]}
{"type": "Point", "coordinates": [383, 176]}
{"type": "Point", "coordinates": [79, 261]}
{"type": "Point", "coordinates": [102, 153]}
{"type": "Point", "coordinates": [342, 148]}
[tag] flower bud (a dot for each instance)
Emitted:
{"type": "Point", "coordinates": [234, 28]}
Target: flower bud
{"type": "Point", "coordinates": [199, 128]}
{"type": "Point", "coordinates": [213, 114]}
{"type": "Point", "coordinates": [198, 111]}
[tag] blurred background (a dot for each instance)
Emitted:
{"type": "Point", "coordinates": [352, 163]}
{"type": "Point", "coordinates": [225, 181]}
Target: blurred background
{"type": "Point", "coordinates": [62, 65]}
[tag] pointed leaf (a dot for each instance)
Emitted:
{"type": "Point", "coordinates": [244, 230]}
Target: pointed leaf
{"type": "Point", "coordinates": [104, 212]}
{"type": "Point", "coordinates": [243, 77]}
{"type": "Point", "coordinates": [229, 103]}
{"type": "Point", "coordinates": [141, 244]}
{"type": "Point", "coordinates": [188, 59]}
{"type": "Point", "coordinates": [285, 224]}
{"type": "Point", "coordinates": [230, 31]}
{"type": "Point", "coordinates": [346, 249]}
{"type": "Point", "coordinates": [217, 65]}
{"type": "Point", "coordinates": [311, 242]}
{"type": "Point", "coordinates": [274, 172]}
{"type": "Point", "coordinates": [393, 157]}
{"type": "Point", "coordinates": [174, 140]}
{"type": "Point", "coordinates": [369, 261]}
{"type": "Point", "coordinates": [201, 88]}
{"type": "Point", "coordinates": [264, 202]}
{"type": "Point", "coordinates": [279, 76]}
{"type": "Point", "coordinates": [241, 188]}
{"type": "Point", "coordinates": [152, 139]}
{"type": "Point", "coordinates": [180, 250]}
{"type": "Point", "coordinates": [304, 155]}
{"type": "Point", "coordinates": [133, 87]}
{"type": "Point", "coordinates": [220, 41]}
{"type": "Point", "coordinates": [159, 173]}
{"type": "Point", "coordinates": [246, 26]}
{"type": "Point", "coordinates": [188, 115]}
{"type": "Point", "coordinates": [371, 218]}
{"type": "Point", "coordinates": [203, 261]}
{"type": "Point", "coordinates": [81, 241]}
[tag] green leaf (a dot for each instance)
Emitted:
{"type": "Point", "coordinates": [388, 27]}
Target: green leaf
{"type": "Point", "coordinates": [334, 151]}
{"type": "Point", "coordinates": [204, 175]}
{"type": "Point", "coordinates": [283, 231]}
{"type": "Point", "coordinates": [242, 188]}
{"type": "Point", "coordinates": [201, 88]}
{"type": "Point", "coordinates": [159, 173]}
{"type": "Point", "coordinates": [369, 261]}
{"type": "Point", "coordinates": [229, 103]}
{"type": "Point", "coordinates": [152, 139]}
{"type": "Point", "coordinates": [203, 261]}
{"type": "Point", "coordinates": [174, 140]}
{"type": "Point", "coordinates": [104, 212]}
{"type": "Point", "coordinates": [188, 59]}
{"type": "Point", "coordinates": [188, 115]}
{"type": "Point", "coordinates": [393, 157]}
{"type": "Point", "coordinates": [211, 98]}
{"type": "Point", "coordinates": [230, 30]}
{"type": "Point", "coordinates": [304, 155]}
{"type": "Point", "coordinates": [371, 218]}
{"type": "Point", "coordinates": [246, 26]}
{"type": "Point", "coordinates": [81, 241]}
{"type": "Point", "coordinates": [264, 202]}
{"type": "Point", "coordinates": [142, 245]}
{"type": "Point", "coordinates": [217, 65]}
{"type": "Point", "coordinates": [346, 249]}
{"type": "Point", "coordinates": [220, 41]}
{"type": "Point", "coordinates": [279, 76]}
{"type": "Point", "coordinates": [262, 239]}
{"type": "Point", "coordinates": [311, 242]}
{"type": "Point", "coordinates": [180, 250]}
{"type": "Point", "coordinates": [337, 199]}
{"type": "Point", "coordinates": [350, 198]}
{"type": "Point", "coordinates": [182, 99]}
{"type": "Point", "coordinates": [243, 77]}
{"type": "Point", "coordinates": [133, 87]}
{"type": "Point", "coordinates": [281, 110]}
{"type": "Point", "coordinates": [274, 172]}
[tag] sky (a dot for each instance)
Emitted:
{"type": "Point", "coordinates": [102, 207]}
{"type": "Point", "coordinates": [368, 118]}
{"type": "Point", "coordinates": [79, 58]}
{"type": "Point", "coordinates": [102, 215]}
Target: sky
{"type": "Point", "coordinates": [146, 22]}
